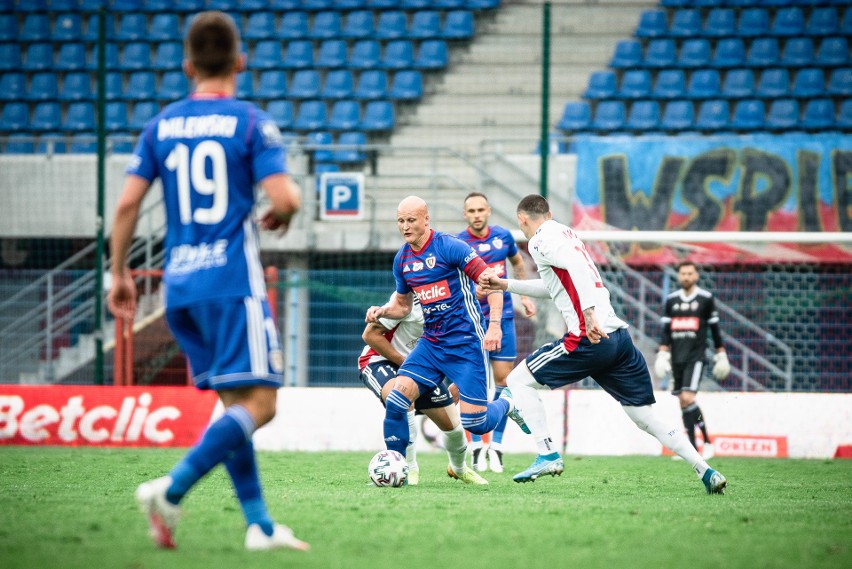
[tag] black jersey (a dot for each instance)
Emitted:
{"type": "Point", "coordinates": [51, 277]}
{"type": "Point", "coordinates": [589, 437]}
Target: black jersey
{"type": "Point", "coordinates": [685, 323]}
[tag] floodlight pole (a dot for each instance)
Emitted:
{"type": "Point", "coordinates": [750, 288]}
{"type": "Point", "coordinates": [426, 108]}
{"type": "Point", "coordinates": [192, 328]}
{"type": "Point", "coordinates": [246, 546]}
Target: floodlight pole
{"type": "Point", "coordinates": [543, 150]}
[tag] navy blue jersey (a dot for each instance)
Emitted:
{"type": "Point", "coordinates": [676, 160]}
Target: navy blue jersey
{"type": "Point", "coordinates": [210, 153]}
{"type": "Point", "coordinates": [440, 275]}
{"type": "Point", "coordinates": [494, 248]}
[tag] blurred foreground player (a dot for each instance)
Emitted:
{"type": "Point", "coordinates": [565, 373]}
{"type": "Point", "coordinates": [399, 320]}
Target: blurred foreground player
{"type": "Point", "coordinates": [210, 151]}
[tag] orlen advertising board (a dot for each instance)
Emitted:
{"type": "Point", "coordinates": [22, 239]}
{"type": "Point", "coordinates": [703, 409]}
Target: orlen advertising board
{"type": "Point", "coordinates": [103, 416]}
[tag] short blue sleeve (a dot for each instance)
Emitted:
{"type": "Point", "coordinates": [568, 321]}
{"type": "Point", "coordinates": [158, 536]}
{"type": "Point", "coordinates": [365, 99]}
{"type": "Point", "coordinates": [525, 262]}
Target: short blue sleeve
{"type": "Point", "coordinates": [513, 248]}
{"type": "Point", "coordinates": [401, 286]}
{"type": "Point", "coordinates": [143, 163]}
{"type": "Point", "coordinates": [458, 252]}
{"type": "Point", "coordinates": [266, 147]}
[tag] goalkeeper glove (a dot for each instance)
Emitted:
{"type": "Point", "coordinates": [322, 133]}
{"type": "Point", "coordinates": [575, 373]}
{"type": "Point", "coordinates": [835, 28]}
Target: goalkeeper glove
{"type": "Point", "coordinates": [663, 364]}
{"type": "Point", "coordinates": [721, 365]}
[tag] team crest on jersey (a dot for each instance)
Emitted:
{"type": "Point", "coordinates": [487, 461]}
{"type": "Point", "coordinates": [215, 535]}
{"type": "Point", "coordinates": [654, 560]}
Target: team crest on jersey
{"type": "Point", "coordinates": [694, 305]}
{"type": "Point", "coordinates": [484, 247]}
{"type": "Point", "coordinates": [430, 261]}
{"type": "Point", "coordinates": [498, 243]}
{"type": "Point", "coordinates": [271, 134]}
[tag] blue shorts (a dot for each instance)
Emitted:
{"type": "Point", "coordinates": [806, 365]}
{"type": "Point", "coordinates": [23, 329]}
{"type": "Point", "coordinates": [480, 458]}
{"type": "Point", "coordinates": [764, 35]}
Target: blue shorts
{"type": "Point", "coordinates": [463, 364]}
{"type": "Point", "coordinates": [230, 343]}
{"type": "Point", "coordinates": [508, 346]}
{"type": "Point", "coordinates": [377, 374]}
{"type": "Point", "coordinates": [615, 364]}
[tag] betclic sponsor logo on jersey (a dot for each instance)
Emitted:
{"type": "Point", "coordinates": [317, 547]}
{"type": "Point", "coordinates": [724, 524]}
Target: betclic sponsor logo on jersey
{"type": "Point", "coordinates": [432, 292]}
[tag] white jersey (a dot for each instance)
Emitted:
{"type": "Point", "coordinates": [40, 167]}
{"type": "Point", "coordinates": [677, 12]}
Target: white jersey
{"type": "Point", "coordinates": [571, 278]}
{"type": "Point", "coordinates": [402, 334]}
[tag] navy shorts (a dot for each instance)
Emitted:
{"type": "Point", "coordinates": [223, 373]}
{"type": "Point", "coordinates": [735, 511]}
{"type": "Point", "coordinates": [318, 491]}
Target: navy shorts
{"type": "Point", "coordinates": [377, 374]}
{"type": "Point", "coordinates": [508, 346]}
{"type": "Point", "coordinates": [615, 364]}
{"type": "Point", "coordinates": [464, 364]}
{"type": "Point", "coordinates": [230, 343]}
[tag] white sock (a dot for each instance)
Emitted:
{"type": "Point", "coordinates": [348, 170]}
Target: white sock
{"type": "Point", "coordinates": [456, 446]}
{"type": "Point", "coordinates": [525, 390]}
{"type": "Point", "coordinates": [672, 437]}
{"type": "Point", "coordinates": [410, 450]}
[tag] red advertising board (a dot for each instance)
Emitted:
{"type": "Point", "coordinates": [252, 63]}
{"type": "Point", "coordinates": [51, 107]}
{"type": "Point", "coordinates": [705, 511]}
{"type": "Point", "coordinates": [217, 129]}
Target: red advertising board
{"type": "Point", "coordinates": [765, 446]}
{"type": "Point", "coordinates": [103, 416]}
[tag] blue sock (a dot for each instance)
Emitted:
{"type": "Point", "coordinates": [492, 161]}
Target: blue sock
{"type": "Point", "coordinates": [242, 467]}
{"type": "Point", "coordinates": [475, 438]}
{"type": "Point", "coordinates": [497, 435]}
{"type": "Point", "coordinates": [220, 439]}
{"type": "Point", "coordinates": [481, 423]}
{"type": "Point", "coordinates": [396, 421]}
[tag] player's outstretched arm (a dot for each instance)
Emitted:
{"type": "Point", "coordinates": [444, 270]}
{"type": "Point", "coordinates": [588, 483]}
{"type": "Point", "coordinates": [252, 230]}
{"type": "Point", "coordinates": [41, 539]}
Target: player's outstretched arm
{"type": "Point", "coordinates": [122, 295]}
{"type": "Point", "coordinates": [397, 308]}
{"type": "Point", "coordinates": [374, 336]}
{"type": "Point", "coordinates": [286, 198]}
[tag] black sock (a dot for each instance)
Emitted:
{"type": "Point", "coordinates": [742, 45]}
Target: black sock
{"type": "Point", "coordinates": [691, 416]}
{"type": "Point", "coordinates": [702, 426]}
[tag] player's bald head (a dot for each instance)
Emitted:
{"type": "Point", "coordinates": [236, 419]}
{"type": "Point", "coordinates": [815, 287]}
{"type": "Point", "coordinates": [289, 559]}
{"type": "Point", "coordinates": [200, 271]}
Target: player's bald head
{"type": "Point", "coordinates": [413, 204]}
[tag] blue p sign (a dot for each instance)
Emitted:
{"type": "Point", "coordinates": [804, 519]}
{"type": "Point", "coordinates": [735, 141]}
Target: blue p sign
{"type": "Point", "coordinates": [342, 195]}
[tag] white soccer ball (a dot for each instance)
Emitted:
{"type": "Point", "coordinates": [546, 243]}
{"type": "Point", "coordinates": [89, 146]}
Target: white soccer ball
{"type": "Point", "coordinates": [388, 468]}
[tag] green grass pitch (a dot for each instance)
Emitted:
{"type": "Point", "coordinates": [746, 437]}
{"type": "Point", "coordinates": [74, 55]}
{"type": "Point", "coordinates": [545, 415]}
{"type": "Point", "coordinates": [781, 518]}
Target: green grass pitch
{"type": "Point", "coordinates": [71, 508]}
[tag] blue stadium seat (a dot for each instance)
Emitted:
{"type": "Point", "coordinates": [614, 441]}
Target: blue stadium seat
{"type": "Point", "coordinates": [407, 86]}
{"type": "Point", "coordinates": [372, 84]}
{"type": "Point", "coordinates": [77, 87]}
{"type": "Point", "coordinates": [80, 117]}
{"type": "Point", "coordinates": [119, 143]}
{"type": "Point", "coordinates": [788, 22]}
{"type": "Point", "coordinates": [660, 53]}
{"type": "Point", "coordinates": [252, 5]}
{"type": "Point", "coordinates": [483, 4]}
{"type": "Point", "coordinates": [169, 56]}
{"type": "Point", "coordinates": [823, 22]}
{"type": "Point", "coordinates": [260, 26]}
{"type": "Point", "coordinates": [754, 22]}
{"type": "Point", "coordinates": [300, 55]}
{"type": "Point", "coordinates": [125, 5]}
{"type": "Point", "coordinates": [425, 25]}
{"type": "Point", "coordinates": [458, 25]}
{"type": "Point", "coordinates": [114, 86]}
{"type": "Point", "coordinates": [306, 84]}
{"type": "Point", "coordinates": [52, 143]}
{"type": "Point", "coordinates": [379, 116]}
{"type": "Point", "coordinates": [91, 32]}
{"type": "Point", "coordinates": [411, 5]}
{"type": "Point", "coordinates": [115, 118]}
{"type": "Point", "coordinates": [19, 144]}
{"type": "Point", "coordinates": [704, 84]}
{"type": "Point", "coordinates": [609, 115]}
{"type": "Point", "coordinates": [644, 116]}
{"type": "Point", "coordinates": [713, 115]}
{"type": "Point", "coordinates": [326, 26]}
{"type": "Point", "coordinates": [355, 153]}
{"type": "Point", "coordinates": [763, 53]}
{"type": "Point", "coordinates": [345, 115]}
{"type": "Point", "coordinates": [141, 86]}
{"type": "Point", "coordinates": [839, 83]}
{"type": "Point", "coordinates": [432, 55]}
{"type": "Point", "coordinates": [384, 4]}
{"type": "Point", "coordinates": [846, 23]}
{"type": "Point", "coordinates": [191, 6]}
{"type": "Point", "coordinates": [773, 84]}
{"type": "Point", "coordinates": [818, 115]}
{"type": "Point", "coordinates": [366, 54]}
{"type": "Point", "coordinates": [318, 144]}
{"type": "Point", "coordinates": [576, 117]}
{"type": "Point", "coordinates": [173, 86]}
{"type": "Point", "coordinates": [844, 117]}
{"type": "Point", "coordinates": [323, 167]}
{"type": "Point", "coordinates": [294, 26]}
{"type": "Point", "coordinates": [359, 25]}
{"type": "Point", "coordinates": [34, 6]}
{"type": "Point", "coordinates": [16, 116]}
{"type": "Point", "coordinates": [635, 84]}
{"type": "Point", "coordinates": [312, 116]}
{"type": "Point", "coordinates": [267, 55]}
{"type": "Point", "coordinates": [694, 53]}
{"type": "Point", "coordinates": [282, 113]}
{"type": "Point", "coordinates": [155, 6]}
{"type": "Point", "coordinates": [133, 27]}
{"type": "Point", "coordinates": [721, 22]}
{"type": "Point", "coordinates": [83, 144]}
{"type": "Point", "coordinates": [798, 52]}
{"type": "Point", "coordinates": [273, 85]}
{"type": "Point", "coordinates": [136, 56]}
{"type": "Point", "coordinates": [730, 52]}
{"type": "Point", "coordinates": [36, 27]}
{"type": "Point", "coordinates": [67, 27]}
{"type": "Point", "coordinates": [8, 28]}
{"type": "Point", "coordinates": [46, 117]}
{"type": "Point", "coordinates": [142, 113]}
{"type": "Point", "coordinates": [399, 54]}
{"type": "Point", "coordinates": [392, 25]}
{"type": "Point", "coordinates": [72, 57]}
{"type": "Point", "coordinates": [749, 115]}
{"type": "Point", "coordinates": [87, 5]}
{"type": "Point", "coordinates": [809, 82]}
{"type": "Point", "coordinates": [670, 84]}
{"type": "Point", "coordinates": [349, 5]}
{"type": "Point", "coordinates": [332, 54]}
{"type": "Point", "coordinates": [652, 24]}
{"type": "Point", "coordinates": [43, 87]}
{"type": "Point", "coordinates": [317, 5]}
{"type": "Point", "coordinates": [110, 55]}
{"type": "Point", "coordinates": [602, 85]}
{"type": "Point", "coordinates": [738, 84]}
{"type": "Point", "coordinates": [338, 84]}
{"type": "Point", "coordinates": [833, 51]}
{"type": "Point", "coordinates": [783, 114]}
{"type": "Point", "coordinates": [448, 4]}
{"type": "Point", "coordinates": [39, 57]}
{"type": "Point", "coordinates": [245, 85]}
{"type": "Point", "coordinates": [281, 5]}
{"type": "Point", "coordinates": [686, 23]}
{"type": "Point", "coordinates": [13, 87]}
{"type": "Point", "coordinates": [627, 55]}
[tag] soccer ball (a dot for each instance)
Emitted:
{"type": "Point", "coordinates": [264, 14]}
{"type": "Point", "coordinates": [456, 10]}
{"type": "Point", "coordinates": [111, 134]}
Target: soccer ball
{"type": "Point", "coordinates": [388, 468]}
